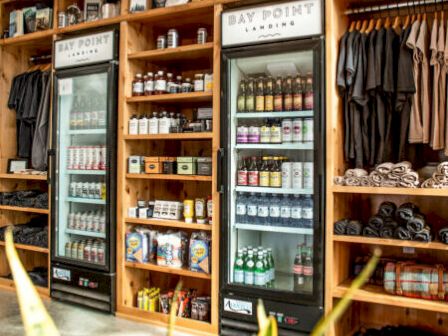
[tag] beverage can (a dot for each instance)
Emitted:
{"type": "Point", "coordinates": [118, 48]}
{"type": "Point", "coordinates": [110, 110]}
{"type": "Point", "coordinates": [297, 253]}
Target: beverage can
{"type": "Point", "coordinates": [308, 172]}
{"type": "Point", "coordinates": [97, 190]}
{"type": "Point", "coordinates": [297, 175]}
{"type": "Point", "coordinates": [89, 221]}
{"type": "Point", "coordinates": [96, 221]}
{"type": "Point", "coordinates": [78, 189]}
{"type": "Point", "coordinates": [242, 135]}
{"type": "Point", "coordinates": [90, 156]}
{"type": "Point", "coordinates": [83, 222]}
{"type": "Point", "coordinates": [82, 157]}
{"type": "Point", "coordinates": [87, 251]}
{"type": "Point", "coordinates": [94, 253]}
{"type": "Point", "coordinates": [297, 127]}
{"type": "Point", "coordinates": [85, 190]}
{"type": "Point", "coordinates": [96, 158]}
{"type": "Point", "coordinates": [161, 42]}
{"type": "Point", "coordinates": [254, 134]}
{"type": "Point", "coordinates": [287, 175]}
{"type": "Point", "coordinates": [74, 253]}
{"type": "Point", "coordinates": [72, 190]}
{"type": "Point", "coordinates": [103, 158]}
{"type": "Point", "coordinates": [102, 223]}
{"type": "Point", "coordinates": [308, 130]}
{"type": "Point", "coordinates": [75, 162]}
{"type": "Point", "coordinates": [100, 253]}
{"type": "Point", "coordinates": [286, 130]}
{"type": "Point", "coordinates": [202, 35]}
{"type": "Point", "coordinates": [62, 19]}
{"type": "Point", "coordinates": [92, 187]}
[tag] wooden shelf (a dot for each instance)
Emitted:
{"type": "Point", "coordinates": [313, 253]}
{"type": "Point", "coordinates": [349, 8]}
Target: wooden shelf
{"type": "Point", "coordinates": [390, 191]}
{"type": "Point", "coordinates": [171, 136]}
{"type": "Point", "coordinates": [169, 223]}
{"type": "Point", "coordinates": [9, 284]}
{"type": "Point", "coordinates": [44, 35]}
{"type": "Point", "coordinates": [174, 177]}
{"type": "Point", "coordinates": [390, 242]}
{"type": "Point", "coordinates": [168, 270]}
{"type": "Point", "coordinates": [89, 25]}
{"type": "Point", "coordinates": [28, 247]}
{"type": "Point", "coordinates": [377, 295]}
{"type": "Point", "coordinates": [191, 97]}
{"type": "Point", "coordinates": [184, 53]}
{"type": "Point", "coordinates": [23, 177]}
{"type": "Point", "coordinates": [23, 209]}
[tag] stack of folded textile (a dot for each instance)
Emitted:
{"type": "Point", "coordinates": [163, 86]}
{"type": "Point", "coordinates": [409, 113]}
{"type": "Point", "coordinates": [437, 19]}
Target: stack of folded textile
{"type": "Point", "coordinates": [439, 179]}
{"type": "Point", "coordinates": [413, 224]}
{"type": "Point", "coordinates": [33, 233]}
{"type": "Point", "coordinates": [25, 198]}
{"type": "Point", "coordinates": [384, 175]}
{"type": "Point", "coordinates": [382, 224]}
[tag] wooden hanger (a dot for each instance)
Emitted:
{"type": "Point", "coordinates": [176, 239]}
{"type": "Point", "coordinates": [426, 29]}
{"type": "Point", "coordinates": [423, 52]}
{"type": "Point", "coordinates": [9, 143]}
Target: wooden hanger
{"type": "Point", "coordinates": [364, 26]}
{"type": "Point", "coordinates": [352, 26]}
{"type": "Point", "coordinates": [379, 24]}
{"type": "Point", "coordinates": [407, 20]}
{"type": "Point", "coordinates": [442, 16]}
{"type": "Point", "coordinates": [387, 23]}
{"type": "Point", "coordinates": [371, 26]}
{"type": "Point", "coordinates": [397, 23]}
{"type": "Point", "coordinates": [435, 16]}
{"type": "Point", "coordinates": [358, 25]}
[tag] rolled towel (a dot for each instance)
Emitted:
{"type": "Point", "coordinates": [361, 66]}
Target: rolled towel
{"type": "Point", "coordinates": [429, 183]}
{"type": "Point", "coordinates": [387, 232]}
{"type": "Point", "coordinates": [416, 223]}
{"type": "Point", "coordinates": [370, 232]}
{"type": "Point", "coordinates": [442, 168]}
{"type": "Point", "coordinates": [354, 228]}
{"type": "Point", "coordinates": [366, 181]}
{"type": "Point", "coordinates": [339, 180]}
{"type": "Point", "coordinates": [424, 235]}
{"type": "Point", "coordinates": [353, 181]}
{"type": "Point", "coordinates": [356, 172]}
{"type": "Point", "coordinates": [390, 222]}
{"type": "Point", "coordinates": [376, 222]}
{"type": "Point", "coordinates": [402, 233]}
{"type": "Point", "coordinates": [443, 235]}
{"type": "Point", "coordinates": [340, 226]}
{"type": "Point", "coordinates": [376, 178]}
{"type": "Point", "coordinates": [389, 184]}
{"type": "Point", "coordinates": [406, 211]}
{"type": "Point", "coordinates": [401, 168]}
{"type": "Point", "coordinates": [387, 209]}
{"type": "Point", "coordinates": [410, 180]}
{"type": "Point", "coordinates": [384, 168]}
{"type": "Point", "coordinates": [440, 178]}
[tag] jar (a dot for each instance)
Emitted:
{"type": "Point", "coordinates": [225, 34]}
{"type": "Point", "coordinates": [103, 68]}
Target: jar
{"type": "Point", "coordinates": [202, 35]}
{"type": "Point", "coordinates": [160, 83]}
{"type": "Point", "coordinates": [149, 84]}
{"type": "Point", "coordinates": [138, 85]}
{"type": "Point", "coordinates": [173, 38]}
{"type": "Point", "coordinates": [161, 42]}
{"type": "Point", "coordinates": [198, 83]}
{"type": "Point", "coordinates": [187, 86]}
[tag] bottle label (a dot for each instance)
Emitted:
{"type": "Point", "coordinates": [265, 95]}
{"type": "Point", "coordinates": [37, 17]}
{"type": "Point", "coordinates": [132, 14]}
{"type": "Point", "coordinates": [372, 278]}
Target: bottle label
{"type": "Point", "coordinates": [298, 269]}
{"type": "Point", "coordinates": [199, 208]}
{"type": "Point", "coordinates": [278, 103]}
{"type": "Point", "coordinates": [249, 278]}
{"type": "Point", "coordinates": [242, 178]}
{"type": "Point", "coordinates": [307, 213]}
{"type": "Point", "coordinates": [137, 87]}
{"type": "Point", "coordinates": [296, 213]}
{"type": "Point", "coordinates": [241, 209]}
{"type": "Point", "coordinates": [269, 103]}
{"type": "Point", "coordinates": [297, 102]}
{"type": "Point", "coordinates": [308, 270]}
{"type": "Point", "coordinates": [253, 178]}
{"type": "Point", "coordinates": [285, 212]}
{"type": "Point", "coordinates": [238, 276]}
{"type": "Point", "coordinates": [143, 126]}
{"type": "Point", "coordinates": [133, 127]}
{"type": "Point", "coordinates": [259, 103]}
{"type": "Point", "coordinates": [309, 100]}
{"type": "Point", "coordinates": [264, 179]}
{"type": "Point", "coordinates": [252, 210]}
{"type": "Point", "coordinates": [275, 179]}
{"type": "Point", "coordinates": [276, 134]}
{"type": "Point", "coordinates": [199, 85]}
{"type": "Point", "coordinates": [254, 134]}
{"type": "Point", "coordinates": [288, 102]}
{"type": "Point", "coordinates": [259, 279]}
{"type": "Point", "coordinates": [250, 103]}
{"type": "Point", "coordinates": [160, 85]}
{"type": "Point", "coordinates": [274, 211]}
{"type": "Point", "coordinates": [241, 103]}
{"type": "Point", "coordinates": [265, 134]}
{"type": "Point", "coordinates": [263, 211]}
{"type": "Point", "coordinates": [149, 86]}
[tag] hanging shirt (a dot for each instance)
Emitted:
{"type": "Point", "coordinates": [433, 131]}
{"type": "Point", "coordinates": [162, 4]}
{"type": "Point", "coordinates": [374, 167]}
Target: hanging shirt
{"type": "Point", "coordinates": [380, 99]}
{"type": "Point", "coordinates": [342, 89]}
{"type": "Point", "coordinates": [442, 83]}
{"type": "Point", "coordinates": [371, 92]}
{"type": "Point", "coordinates": [415, 123]}
{"type": "Point", "coordinates": [446, 114]}
{"type": "Point", "coordinates": [434, 140]}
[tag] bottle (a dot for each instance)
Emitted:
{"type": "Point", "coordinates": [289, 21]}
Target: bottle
{"type": "Point", "coordinates": [164, 124]}
{"type": "Point", "coordinates": [264, 172]}
{"type": "Point", "coordinates": [153, 124]}
{"type": "Point", "coordinates": [259, 97]}
{"type": "Point", "coordinates": [269, 95]}
{"type": "Point", "coordinates": [200, 210]}
{"type": "Point", "coordinates": [263, 210]}
{"type": "Point", "coordinates": [274, 210]}
{"type": "Point", "coordinates": [143, 125]}
{"type": "Point", "coordinates": [170, 84]}
{"type": "Point", "coordinates": [133, 125]}
{"type": "Point", "coordinates": [260, 272]}
{"type": "Point", "coordinates": [278, 95]}
{"type": "Point", "coordinates": [241, 208]}
{"type": "Point", "coordinates": [297, 94]}
{"type": "Point", "coordinates": [250, 98]}
{"type": "Point", "coordinates": [249, 269]}
{"type": "Point", "coordinates": [242, 178]}
{"type": "Point", "coordinates": [253, 173]}
{"type": "Point", "coordinates": [309, 93]}
{"type": "Point", "coordinates": [265, 132]}
{"type": "Point", "coordinates": [267, 268]}
{"type": "Point", "coordinates": [276, 132]}
{"type": "Point", "coordinates": [287, 94]}
{"type": "Point", "coordinates": [285, 210]}
{"type": "Point", "coordinates": [287, 130]}
{"type": "Point", "coordinates": [241, 99]}
{"type": "Point", "coordinates": [178, 84]}
{"type": "Point", "coordinates": [308, 270]}
{"type": "Point", "coordinates": [74, 114]}
{"type": "Point", "coordinates": [252, 209]}
{"type": "Point", "coordinates": [149, 84]}
{"type": "Point", "coordinates": [307, 212]}
{"type": "Point", "coordinates": [138, 85]}
{"type": "Point", "coordinates": [244, 254]}
{"type": "Point", "coordinates": [160, 83]}
{"type": "Point", "coordinates": [271, 262]}
{"type": "Point", "coordinates": [275, 174]}
{"type": "Point", "coordinates": [296, 211]}
{"type": "Point", "coordinates": [298, 271]}
{"type": "Point", "coordinates": [238, 268]}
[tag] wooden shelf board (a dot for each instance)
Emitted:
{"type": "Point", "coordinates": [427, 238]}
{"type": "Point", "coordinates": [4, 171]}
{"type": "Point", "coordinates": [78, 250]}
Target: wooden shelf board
{"type": "Point", "coordinates": [187, 52]}
{"type": "Point", "coordinates": [23, 177]}
{"type": "Point", "coordinates": [31, 37]}
{"type": "Point", "coordinates": [376, 294]}
{"type": "Point", "coordinates": [171, 136]}
{"type": "Point", "coordinates": [174, 177]}
{"type": "Point", "coordinates": [9, 284]}
{"type": "Point", "coordinates": [23, 209]}
{"type": "Point", "coordinates": [390, 191]}
{"type": "Point", "coordinates": [28, 247]}
{"type": "Point", "coordinates": [390, 242]}
{"type": "Point", "coordinates": [169, 223]}
{"type": "Point", "coordinates": [191, 97]}
{"type": "Point", "coordinates": [89, 25]}
{"type": "Point", "coordinates": [168, 270]}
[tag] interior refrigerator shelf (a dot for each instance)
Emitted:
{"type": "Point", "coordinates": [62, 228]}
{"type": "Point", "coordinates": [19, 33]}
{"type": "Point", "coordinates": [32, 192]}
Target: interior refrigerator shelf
{"type": "Point", "coordinates": [274, 190]}
{"type": "Point", "coordinates": [86, 172]}
{"type": "Point", "coordinates": [86, 233]}
{"type": "Point", "coordinates": [86, 200]}
{"type": "Point", "coordinates": [268, 228]}
{"type": "Point", "coordinates": [87, 131]}
{"type": "Point", "coordinates": [283, 146]}
{"type": "Point", "coordinates": [289, 114]}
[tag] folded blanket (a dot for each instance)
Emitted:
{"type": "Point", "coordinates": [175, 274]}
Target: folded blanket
{"type": "Point", "coordinates": [423, 236]}
{"type": "Point", "coordinates": [376, 222]}
{"type": "Point", "coordinates": [406, 211]}
{"type": "Point", "coordinates": [416, 223]}
{"type": "Point", "coordinates": [340, 227]}
{"type": "Point", "coordinates": [354, 228]}
{"type": "Point", "coordinates": [387, 232]}
{"type": "Point", "coordinates": [353, 181]}
{"type": "Point", "coordinates": [356, 172]}
{"type": "Point", "coordinates": [443, 235]}
{"type": "Point", "coordinates": [384, 168]}
{"type": "Point", "coordinates": [370, 232]}
{"type": "Point", "coordinates": [387, 209]}
{"type": "Point", "coordinates": [402, 233]}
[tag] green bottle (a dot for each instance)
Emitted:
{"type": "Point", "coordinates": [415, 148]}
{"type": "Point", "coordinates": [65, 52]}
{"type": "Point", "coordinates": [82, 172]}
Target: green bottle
{"type": "Point", "coordinates": [271, 261]}
{"type": "Point", "coordinates": [238, 268]}
{"type": "Point", "coordinates": [267, 267]}
{"type": "Point", "coordinates": [249, 269]}
{"type": "Point", "coordinates": [244, 254]}
{"type": "Point", "coordinates": [260, 272]}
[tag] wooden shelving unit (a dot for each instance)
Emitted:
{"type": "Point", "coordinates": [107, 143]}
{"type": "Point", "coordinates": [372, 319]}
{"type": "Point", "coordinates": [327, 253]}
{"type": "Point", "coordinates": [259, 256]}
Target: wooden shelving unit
{"type": "Point", "coordinates": [173, 177]}
{"type": "Point", "coordinates": [168, 270]}
{"type": "Point", "coordinates": [193, 97]}
{"type": "Point", "coordinates": [187, 53]}
{"type": "Point", "coordinates": [169, 223]}
{"type": "Point", "coordinates": [23, 209]}
{"type": "Point", "coordinates": [23, 177]}
{"type": "Point", "coordinates": [171, 136]}
{"type": "Point", "coordinates": [28, 247]}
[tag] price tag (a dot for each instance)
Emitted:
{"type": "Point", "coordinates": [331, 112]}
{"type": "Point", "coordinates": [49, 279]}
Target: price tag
{"type": "Point", "coordinates": [66, 87]}
{"type": "Point", "coordinates": [409, 250]}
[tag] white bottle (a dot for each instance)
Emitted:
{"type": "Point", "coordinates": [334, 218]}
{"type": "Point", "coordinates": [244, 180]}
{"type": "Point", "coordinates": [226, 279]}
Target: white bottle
{"type": "Point", "coordinates": [143, 125]}
{"type": "Point", "coordinates": [164, 124]}
{"type": "Point", "coordinates": [154, 124]}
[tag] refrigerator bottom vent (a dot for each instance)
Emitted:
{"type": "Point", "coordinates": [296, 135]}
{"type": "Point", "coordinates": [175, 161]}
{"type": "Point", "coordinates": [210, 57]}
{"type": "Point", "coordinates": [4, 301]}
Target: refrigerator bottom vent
{"type": "Point", "coordinates": [233, 327]}
{"type": "Point", "coordinates": [69, 295]}
{"type": "Point", "coordinates": [81, 292]}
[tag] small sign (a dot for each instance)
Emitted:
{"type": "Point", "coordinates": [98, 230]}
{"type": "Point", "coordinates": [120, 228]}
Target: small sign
{"type": "Point", "coordinates": [273, 22]}
{"type": "Point", "coordinates": [65, 87]}
{"type": "Point", "coordinates": [409, 250]}
{"type": "Point", "coordinates": [61, 274]}
{"type": "Point", "coordinates": [238, 306]}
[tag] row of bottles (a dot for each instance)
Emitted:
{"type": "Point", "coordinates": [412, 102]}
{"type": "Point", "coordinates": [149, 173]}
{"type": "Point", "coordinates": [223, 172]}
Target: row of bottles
{"type": "Point", "coordinates": [158, 123]}
{"type": "Point", "coordinates": [254, 267]}
{"type": "Point", "coordinates": [266, 94]}
{"type": "Point", "coordinates": [303, 269]}
{"type": "Point", "coordinates": [88, 113]}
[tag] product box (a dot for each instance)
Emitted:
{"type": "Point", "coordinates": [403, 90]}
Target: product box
{"type": "Point", "coordinates": [186, 165]}
{"type": "Point", "coordinates": [29, 19]}
{"type": "Point", "coordinates": [44, 18]}
{"type": "Point", "coordinates": [204, 166]}
{"type": "Point", "coordinates": [205, 113]}
{"type": "Point", "coordinates": [199, 253]}
{"type": "Point", "coordinates": [136, 247]}
{"type": "Point", "coordinates": [168, 210]}
{"type": "Point", "coordinates": [135, 164]}
{"type": "Point", "coordinates": [153, 165]}
{"type": "Point", "coordinates": [169, 165]}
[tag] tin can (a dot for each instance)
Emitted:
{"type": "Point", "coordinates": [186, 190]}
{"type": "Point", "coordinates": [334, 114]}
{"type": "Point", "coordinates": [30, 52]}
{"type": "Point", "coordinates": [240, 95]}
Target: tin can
{"type": "Point", "coordinates": [202, 35]}
{"type": "Point", "coordinates": [297, 130]}
{"type": "Point", "coordinates": [173, 38]}
{"type": "Point", "coordinates": [102, 223]}
{"type": "Point", "coordinates": [69, 157]}
{"type": "Point", "coordinates": [103, 158]}
{"type": "Point", "coordinates": [74, 157]}
{"type": "Point", "coordinates": [78, 189]}
{"type": "Point", "coordinates": [82, 157]}
{"type": "Point", "coordinates": [286, 175]}
{"type": "Point", "coordinates": [68, 249]}
{"type": "Point", "coordinates": [81, 246]}
{"type": "Point", "coordinates": [71, 220]}
{"type": "Point", "coordinates": [254, 134]}
{"type": "Point", "coordinates": [92, 190]}
{"type": "Point", "coordinates": [286, 130]}
{"type": "Point", "coordinates": [89, 221]}
{"type": "Point", "coordinates": [297, 175]}
{"type": "Point", "coordinates": [94, 253]}
{"type": "Point", "coordinates": [90, 151]}
{"type": "Point", "coordinates": [161, 42]}
{"type": "Point", "coordinates": [242, 134]}
{"type": "Point", "coordinates": [77, 221]}
{"type": "Point", "coordinates": [62, 19]}
{"type": "Point", "coordinates": [96, 221]}
{"type": "Point", "coordinates": [95, 157]}
{"type": "Point", "coordinates": [83, 222]}
{"type": "Point", "coordinates": [308, 130]}
{"type": "Point", "coordinates": [308, 172]}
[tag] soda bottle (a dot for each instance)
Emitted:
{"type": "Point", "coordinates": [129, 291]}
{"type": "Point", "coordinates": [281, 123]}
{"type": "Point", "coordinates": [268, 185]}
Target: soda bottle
{"type": "Point", "coordinates": [264, 172]}
{"type": "Point", "coordinates": [296, 211]}
{"type": "Point", "coordinates": [260, 272]}
{"type": "Point", "coordinates": [252, 210]}
{"type": "Point", "coordinates": [253, 173]}
{"type": "Point", "coordinates": [274, 210]}
{"type": "Point", "coordinates": [308, 270]}
{"type": "Point", "coordinates": [249, 269]}
{"type": "Point", "coordinates": [269, 95]}
{"type": "Point", "coordinates": [309, 93]}
{"type": "Point", "coordinates": [297, 94]}
{"type": "Point", "coordinates": [287, 94]}
{"type": "Point", "coordinates": [298, 271]}
{"type": "Point", "coordinates": [241, 208]}
{"type": "Point", "coordinates": [238, 268]}
{"type": "Point", "coordinates": [241, 100]}
{"type": "Point", "coordinates": [250, 98]}
{"type": "Point", "coordinates": [285, 211]}
{"type": "Point", "coordinates": [242, 178]}
{"type": "Point", "coordinates": [275, 175]}
{"type": "Point", "coordinates": [307, 212]}
{"type": "Point", "coordinates": [267, 267]}
{"type": "Point", "coordinates": [278, 95]}
{"type": "Point", "coordinates": [263, 210]}
{"type": "Point", "coordinates": [272, 269]}
{"type": "Point", "coordinates": [259, 97]}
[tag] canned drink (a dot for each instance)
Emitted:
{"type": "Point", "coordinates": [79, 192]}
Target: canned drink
{"type": "Point", "coordinates": [74, 253]}
{"type": "Point", "coordinates": [173, 38]}
{"type": "Point", "coordinates": [97, 192]}
{"type": "Point", "coordinates": [92, 187]}
{"type": "Point", "coordinates": [103, 191]}
{"type": "Point", "coordinates": [83, 222]}
{"type": "Point", "coordinates": [297, 175]}
{"type": "Point", "coordinates": [81, 246]}
{"type": "Point", "coordinates": [87, 250]}
{"type": "Point", "coordinates": [100, 253]}
{"type": "Point", "coordinates": [297, 130]}
{"type": "Point", "coordinates": [68, 249]}
{"type": "Point", "coordinates": [72, 190]}
{"type": "Point", "coordinates": [89, 157]}
{"type": "Point", "coordinates": [96, 158]}
{"type": "Point", "coordinates": [161, 42]}
{"type": "Point", "coordinates": [308, 130]}
{"type": "Point", "coordinates": [71, 220]}
{"type": "Point", "coordinates": [82, 158]}
{"type": "Point", "coordinates": [286, 130]}
{"type": "Point", "coordinates": [62, 19]}
{"type": "Point", "coordinates": [202, 35]}
{"type": "Point", "coordinates": [96, 221]}
{"type": "Point", "coordinates": [79, 189]}
{"type": "Point", "coordinates": [287, 175]}
{"type": "Point", "coordinates": [75, 155]}
{"type": "Point", "coordinates": [308, 175]}
{"type": "Point", "coordinates": [102, 162]}
{"type": "Point", "coordinates": [77, 221]}
{"type": "Point", "coordinates": [102, 223]}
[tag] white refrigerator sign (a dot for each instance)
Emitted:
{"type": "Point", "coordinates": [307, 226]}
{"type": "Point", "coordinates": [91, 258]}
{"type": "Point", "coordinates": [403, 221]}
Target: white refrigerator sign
{"type": "Point", "coordinates": [271, 22]}
{"type": "Point", "coordinates": [88, 49]}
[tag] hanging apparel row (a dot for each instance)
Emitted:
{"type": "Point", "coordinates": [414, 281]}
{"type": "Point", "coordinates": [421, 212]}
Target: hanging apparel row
{"type": "Point", "coordinates": [30, 98]}
{"type": "Point", "coordinates": [392, 80]}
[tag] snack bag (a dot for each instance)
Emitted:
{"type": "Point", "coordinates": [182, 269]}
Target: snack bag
{"type": "Point", "coordinates": [200, 252]}
{"type": "Point", "coordinates": [136, 247]}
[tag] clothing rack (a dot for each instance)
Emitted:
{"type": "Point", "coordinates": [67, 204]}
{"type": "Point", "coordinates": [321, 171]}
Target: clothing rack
{"type": "Point", "coordinates": [40, 59]}
{"type": "Point", "coordinates": [407, 4]}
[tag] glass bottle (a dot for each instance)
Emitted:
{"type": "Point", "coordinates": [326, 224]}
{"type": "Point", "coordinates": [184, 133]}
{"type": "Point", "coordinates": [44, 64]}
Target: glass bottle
{"type": "Point", "coordinates": [149, 84]}
{"type": "Point", "coordinates": [264, 172]}
{"type": "Point", "coordinates": [272, 263]}
{"type": "Point", "coordinates": [274, 210]}
{"type": "Point", "coordinates": [287, 94]}
{"type": "Point", "coordinates": [265, 132]}
{"type": "Point", "coordinates": [170, 84]}
{"type": "Point", "coordinates": [308, 270]}
{"type": "Point", "coordinates": [138, 85]}
{"type": "Point", "coordinates": [160, 84]}
{"type": "Point", "coordinates": [241, 99]}
{"type": "Point", "coordinates": [275, 175]}
{"type": "Point", "coordinates": [298, 271]}
{"type": "Point", "coordinates": [259, 97]}
{"type": "Point", "coordinates": [153, 124]}
{"type": "Point", "coordinates": [253, 173]}
{"type": "Point", "coordinates": [250, 98]}
{"type": "Point", "coordinates": [242, 178]}
{"type": "Point", "coordinates": [276, 132]}
{"type": "Point", "coordinates": [297, 94]}
{"type": "Point", "coordinates": [133, 125]}
{"type": "Point", "coordinates": [309, 93]}
{"type": "Point", "coordinates": [278, 95]}
{"type": "Point", "coordinates": [260, 272]}
{"type": "Point", "coordinates": [238, 268]}
{"type": "Point", "coordinates": [249, 269]}
{"type": "Point", "coordinates": [269, 95]}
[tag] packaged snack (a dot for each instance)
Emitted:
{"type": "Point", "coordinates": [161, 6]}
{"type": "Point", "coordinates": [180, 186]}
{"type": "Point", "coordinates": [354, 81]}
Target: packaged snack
{"type": "Point", "coordinates": [171, 249]}
{"type": "Point", "coordinates": [200, 308]}
{"type": "Point", "coordinates": [151, 242]}
{"type": "Point", "coordinates": [165, 302]}
{"type": "Point", "coordinates": [136, 247]}
{"type": "Point", "coordinates": [200, 252]}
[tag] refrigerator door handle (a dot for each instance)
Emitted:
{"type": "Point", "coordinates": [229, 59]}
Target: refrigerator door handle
{"type": "Point", "coordinates": [219, 186]}
{"type": "Point", "coordinates": [51, 153]}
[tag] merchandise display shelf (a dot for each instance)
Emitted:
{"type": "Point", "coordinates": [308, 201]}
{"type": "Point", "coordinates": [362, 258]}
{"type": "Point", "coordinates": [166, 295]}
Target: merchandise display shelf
{"type": "Point", "coordinates": [390, 242]}
{"type": "Point", "coordinates": [171, 136]}
{"type": "Point", "coordinates": [282, 146]}
{"type": "Point", "coordinates": [87, 131]}
{"type": "Point", "coordinates": [90, 25]}
{"type": "Point", "coordinates": [268, 228]}
{"type": "Point", "coordinates": [172, 177]}
{"type": "Point", "coordinates": [169, 223]}
{"type": "Point", "coordinates": [39, 37]}
{"type": "Point", "coordinates": [168, 270]}
{"type": "Point", "coordinates": [23, 177]}
{"type": "Point", "coordinates": [86, 172]}
{"type": "Point", "coordinates": [28, 247]}
{"type": "Point", "coordinates": [286, 114]}
{"type": "Point", "coordinates": [274, 190]}
{"type": "Point", "coordinates": [86, 200]}
{"type": "Point", "coordinates": [390, 191]}
{"type": "Point", "coordinates": [377, 295]}
{"type": "Point", "coordinates": [86, 233]}
{"type": "Point", "coordinates": [186, 53]}
{"type": "Point", "coordinates": [9, 284]}
{"type": "Point", "coordinates": [24, 209]}
{"type": "Point", "coordinates": [190, 97]}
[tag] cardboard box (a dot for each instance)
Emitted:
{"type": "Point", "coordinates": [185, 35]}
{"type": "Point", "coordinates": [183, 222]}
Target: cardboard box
{"type": "Point", "coordinates": [186, 165]}
{"type": "Point", "coordinates": [152, 165]}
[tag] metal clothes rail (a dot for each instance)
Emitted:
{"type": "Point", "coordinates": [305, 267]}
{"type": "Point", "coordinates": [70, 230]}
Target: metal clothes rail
{"type": "Point", "coordinates": [407, 4]}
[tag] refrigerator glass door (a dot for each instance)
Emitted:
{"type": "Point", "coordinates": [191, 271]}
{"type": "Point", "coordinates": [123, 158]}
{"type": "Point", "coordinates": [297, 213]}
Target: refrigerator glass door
{"type": "Point", "coordinates": [271, 167]}
{"type": "Point", "coordinates": [81, 169]}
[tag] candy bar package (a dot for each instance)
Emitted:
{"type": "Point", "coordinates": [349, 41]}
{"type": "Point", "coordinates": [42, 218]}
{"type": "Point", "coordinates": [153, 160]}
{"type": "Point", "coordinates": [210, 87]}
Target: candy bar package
{"type": "Point", "coordinates": [200, 252]}
{"type": "Point", "coordinates": [200, 308]}
{"type": "Point", "coordinates": [151, 237]}
{"type": "Point", "coordinates": [172, 249]}
{"type": "Point", "coordinates": [136, 247]}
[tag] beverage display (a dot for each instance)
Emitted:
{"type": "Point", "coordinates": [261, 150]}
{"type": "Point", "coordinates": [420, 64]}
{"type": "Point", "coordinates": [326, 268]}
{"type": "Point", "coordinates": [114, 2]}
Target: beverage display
{"type": "Point", "coordinates": [93, 221]}
{"type": "Point", "coordinates": [86, 157]}
{"type": "Point", "coordinates": [86, 250]}
{"type": "Point", "coordinates": [88, 113]}
{"type": "Point", "coordinates": [254, 267]}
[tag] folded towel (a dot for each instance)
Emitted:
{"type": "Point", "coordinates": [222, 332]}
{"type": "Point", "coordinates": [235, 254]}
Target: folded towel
{"type": "Point", "coordinates": [442, 168]}
{"type": "Point", "coordinates": [389, 184]}
{"type": "Point", "coordinates": [390, 222]}
{"type": "Point", "coordinates": [353, 181]}
{"type": "Point", "coordinates": [384, 168]}
{"type": "Point", "coordinates": [376, 222]}
{"type": "Point", "coordinates": [370, 232]}
{"type": "Point", "coordinates": [356, 172]}
{"type": "Point", "coordinates": [340, 227]}
{"type": "Point", "coordinates": [416, 223]}
{"type": "Point", "coordinates": [354, 228]}
{"type": "Point", "coordinates": [402, 233]}
{"type": "Point", "coordinates": [387, 232]}
{"type": "Point", "coordinates": [443, 235]}
{"type": "Point", "coordinates": [401, 168]}
{"type": "Point", "coordinates": [406, 211]}
{"type": "Point", "coordinates": [366, 181]}
{"type": "Point", "coordinates": [410, 180]}
{"type": "Point", "coordinates": [339, 180]}
{"type": "Point", "coordinates": [387, 209]}
{"type": "Point", "coordinates": [429, 183]}
{"type": "Point", "coordinates": [423, 236]}
{"type": "Point", "coordinates": [376, 178]}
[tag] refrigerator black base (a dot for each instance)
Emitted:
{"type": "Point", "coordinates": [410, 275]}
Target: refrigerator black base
{"type": "Point", "coordinates": [83, 287]}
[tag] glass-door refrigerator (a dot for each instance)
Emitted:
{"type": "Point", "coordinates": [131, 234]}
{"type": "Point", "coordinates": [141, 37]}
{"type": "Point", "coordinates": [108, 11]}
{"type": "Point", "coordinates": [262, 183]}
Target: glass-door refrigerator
{"type": "Point", "coordinates": [273, 171]}
{"type": "Point", "coordinates": [84, 170]}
